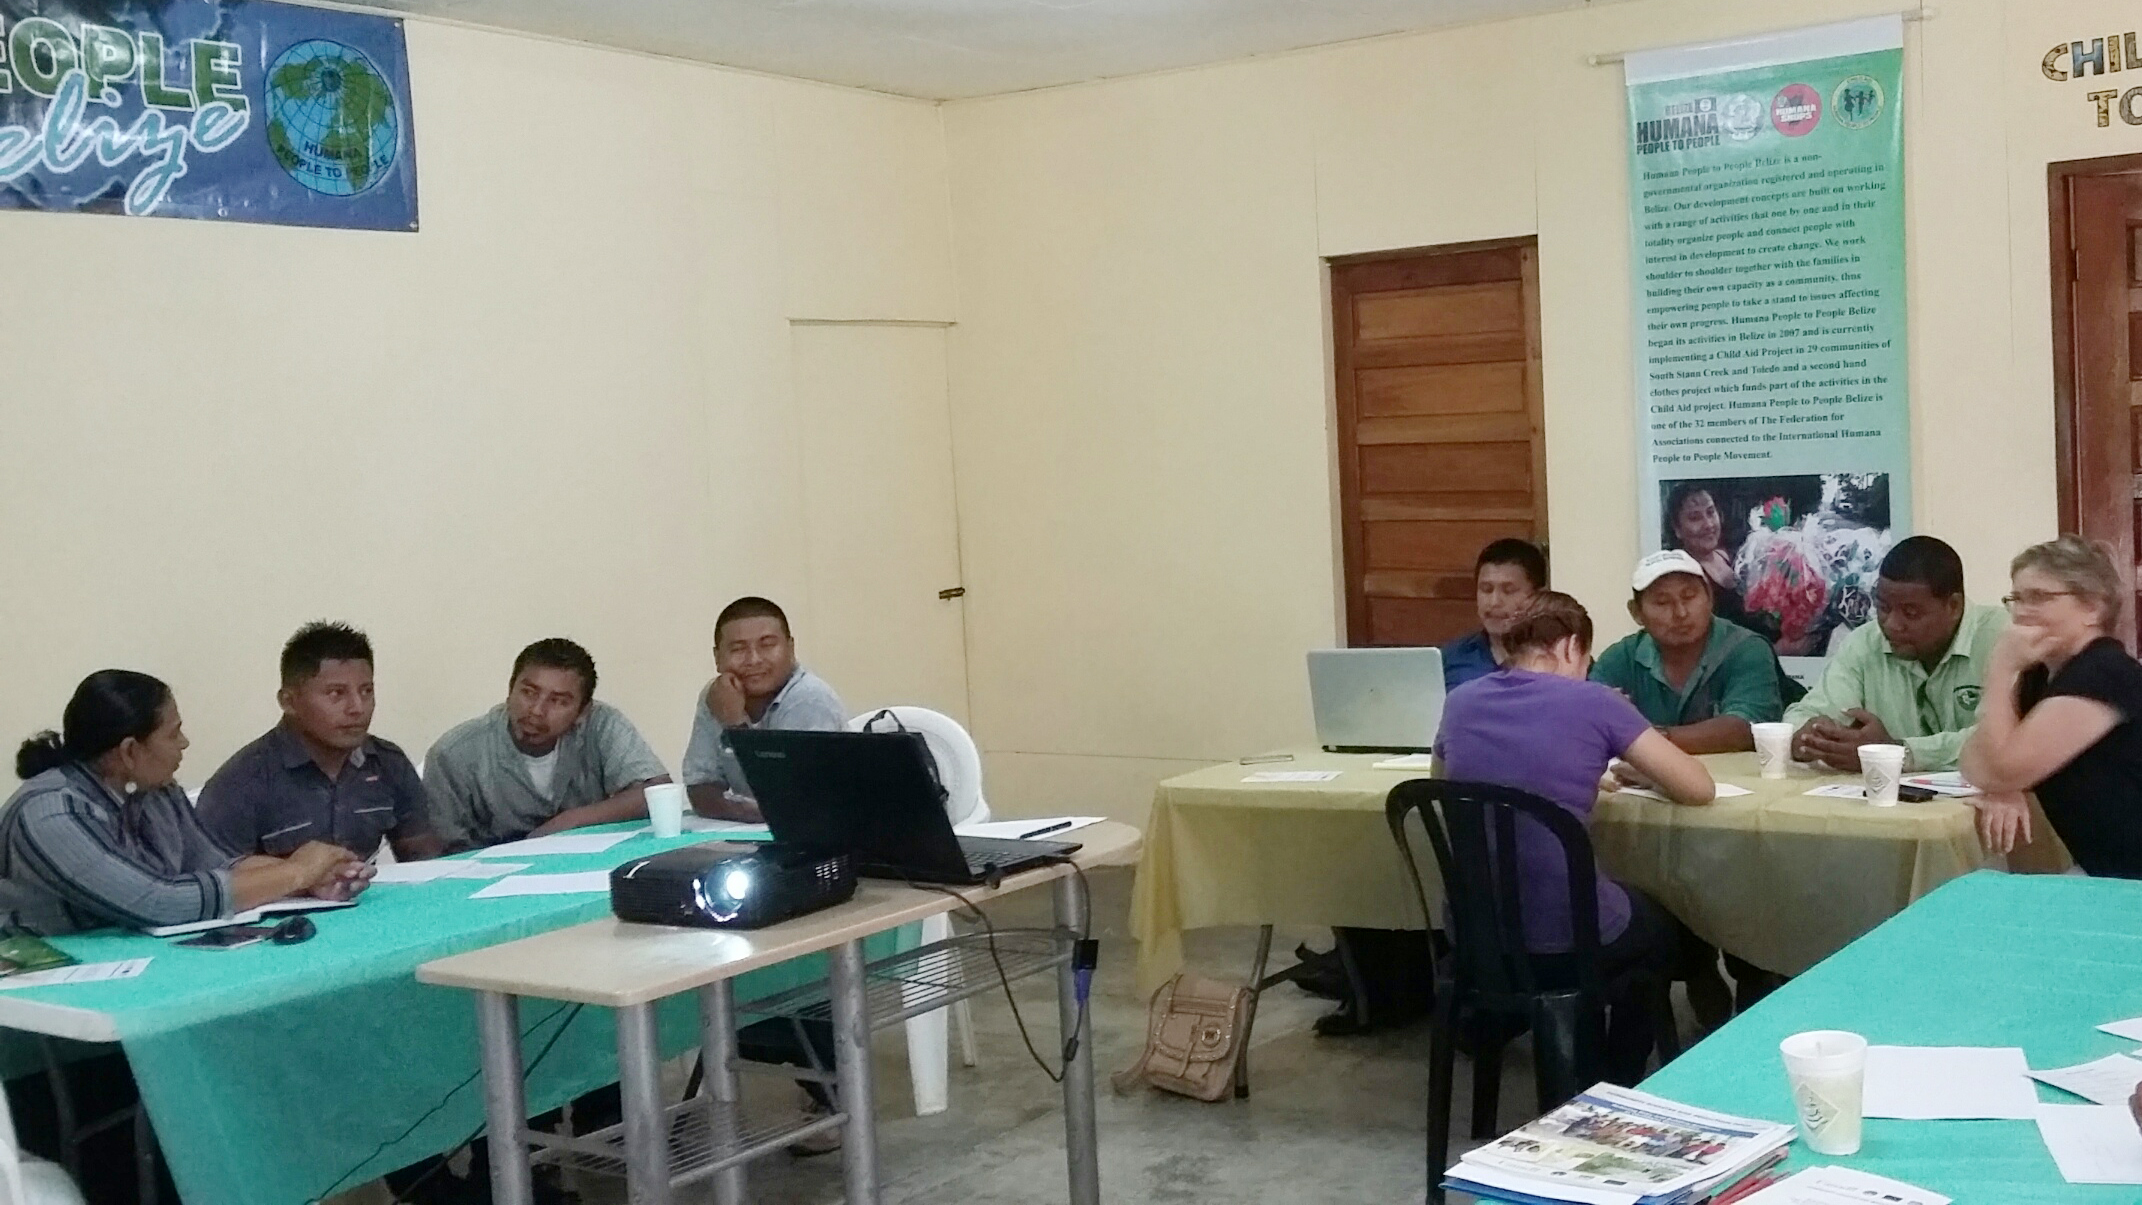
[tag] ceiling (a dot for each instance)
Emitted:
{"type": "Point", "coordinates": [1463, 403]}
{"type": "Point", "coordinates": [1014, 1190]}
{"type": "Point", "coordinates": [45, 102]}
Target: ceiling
{"type": "Point", "coordinates": [952, 49]}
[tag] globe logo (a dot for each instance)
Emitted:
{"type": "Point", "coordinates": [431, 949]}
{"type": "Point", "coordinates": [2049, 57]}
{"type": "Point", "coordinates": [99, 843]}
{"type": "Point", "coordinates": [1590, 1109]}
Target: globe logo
{"type": "Point", "coordinates": [332, 122]}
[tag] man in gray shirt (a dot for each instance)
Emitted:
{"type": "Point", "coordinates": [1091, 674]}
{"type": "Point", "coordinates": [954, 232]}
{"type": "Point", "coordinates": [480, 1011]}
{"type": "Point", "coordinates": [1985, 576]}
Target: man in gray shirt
{"type": "Point", "coordinates": [549, 758]}
{"type": "Point", "coordinates": [320, 774]}
{"type": "Point", "coordinates": [757, 684]}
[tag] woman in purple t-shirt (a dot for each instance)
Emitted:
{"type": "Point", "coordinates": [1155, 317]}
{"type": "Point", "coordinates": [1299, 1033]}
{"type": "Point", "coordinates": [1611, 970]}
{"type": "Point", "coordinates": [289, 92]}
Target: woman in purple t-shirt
{"type": "Point", "coordinates": [1540, 726]}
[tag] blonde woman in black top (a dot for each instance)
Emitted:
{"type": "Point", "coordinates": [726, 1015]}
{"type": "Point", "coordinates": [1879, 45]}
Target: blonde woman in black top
{"type": "Point", "coordinates": [2062, 711]}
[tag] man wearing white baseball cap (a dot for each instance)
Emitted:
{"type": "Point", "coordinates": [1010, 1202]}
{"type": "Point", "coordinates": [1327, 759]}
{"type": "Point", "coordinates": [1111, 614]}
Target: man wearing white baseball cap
{"type": "Point", "coordinates": [1701, 679]}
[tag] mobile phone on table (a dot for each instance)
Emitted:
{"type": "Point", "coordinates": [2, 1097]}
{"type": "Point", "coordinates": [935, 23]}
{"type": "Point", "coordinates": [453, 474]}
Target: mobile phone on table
{"type": "Point", "coordinates": [1912, 794]}
{"type": "Point", "coordinates": [230, 938]}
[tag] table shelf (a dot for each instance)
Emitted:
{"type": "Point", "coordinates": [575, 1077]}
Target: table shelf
{"type": "Point", "coordinates": [705, 1136]}
{"type": "Point", "coordinates": [927, 978]}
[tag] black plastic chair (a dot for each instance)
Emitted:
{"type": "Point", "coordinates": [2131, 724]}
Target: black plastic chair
{"type": "Point", "coordinates": [1490, 987]}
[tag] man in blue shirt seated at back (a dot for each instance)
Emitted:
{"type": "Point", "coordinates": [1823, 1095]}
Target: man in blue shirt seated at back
{"type": "Point", "coordinates": [1506, 575]}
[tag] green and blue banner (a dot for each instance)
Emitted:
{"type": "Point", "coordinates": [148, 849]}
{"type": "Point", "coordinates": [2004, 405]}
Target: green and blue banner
{"type": "Point", "coordinates": [240, 110]}
{"type": "Point", "coordinates": [1766, 182]}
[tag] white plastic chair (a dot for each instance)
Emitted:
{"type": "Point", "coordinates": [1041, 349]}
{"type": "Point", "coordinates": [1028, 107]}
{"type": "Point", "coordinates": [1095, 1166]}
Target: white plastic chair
{"type": "Point", "coordinates": [959, 767]}
{"type": "Point", "coordinates": [26, 1179]}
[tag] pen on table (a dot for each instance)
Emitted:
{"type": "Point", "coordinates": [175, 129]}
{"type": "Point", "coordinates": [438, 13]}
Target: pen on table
{"type": "Point", "coordinates": [1057, 827]}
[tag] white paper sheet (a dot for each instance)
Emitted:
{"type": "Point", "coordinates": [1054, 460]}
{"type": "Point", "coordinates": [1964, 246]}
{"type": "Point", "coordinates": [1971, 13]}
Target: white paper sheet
{"type": "Point", "coordinates": [433, 871]}
{"type": "Point", "coordinates": [2093, 1144]}
{"type": "Point", "coordinates": [1948, 782]}
{"type": "Point", "coordinates": [2131, 1030]}
{"type": "Point", "coordinates": [1407, 761]}
{"type": "Point", "coordinates": [1726, 790]}
{"type": "Point", "coordinates": [730, 828]}
{"type": "Point", "coordinates": [1843, 1186]}
{"type": "Point", "coordinates": [1949, 1083]}
{"type": "Point", "coordinates": [2108, 1081]}
{"type": "Point", "coordinates": [556, 843]}
{"type": "Point", "coordinates": [478, 869]}
{"type": "Point", "coordinates": [734, 830]}
{"type": "Point", "coordinates": [411, 872]}
{"type": "Point", "coordinates": [585, 882]}
{"type": "Point", "coordinates": [1019, 830]}
{"type": "Point", "coordinates": [1294, 776]}
{"type": "Point", "coordinates": [88, 972]}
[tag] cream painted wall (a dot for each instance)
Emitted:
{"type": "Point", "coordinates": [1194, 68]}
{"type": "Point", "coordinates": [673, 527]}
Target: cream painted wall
{"type": "Point", "coordinates": [563, 408]}
{"type": "Point", "coordinates": [1141, 384]}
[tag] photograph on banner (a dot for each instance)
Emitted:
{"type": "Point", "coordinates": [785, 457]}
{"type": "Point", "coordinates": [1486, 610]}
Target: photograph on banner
{"type": "Point", "coordinates": [230, 110]}
{"type": "Point", "coordinates": [1767, 235]}
{"type": "Point", "coordinates": [1793, 558]}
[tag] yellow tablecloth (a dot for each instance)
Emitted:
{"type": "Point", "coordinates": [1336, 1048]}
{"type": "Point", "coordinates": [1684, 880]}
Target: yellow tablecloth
{"type": "Point", "coordinates": [1221, 851]}
{"type": "Point", "coordinates": [1777, 877]}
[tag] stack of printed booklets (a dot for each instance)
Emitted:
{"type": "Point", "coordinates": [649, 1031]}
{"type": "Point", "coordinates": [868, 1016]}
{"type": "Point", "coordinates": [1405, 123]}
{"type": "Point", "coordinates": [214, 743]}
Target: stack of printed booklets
{"type": "Point", "coordinates": [1617, 1146]}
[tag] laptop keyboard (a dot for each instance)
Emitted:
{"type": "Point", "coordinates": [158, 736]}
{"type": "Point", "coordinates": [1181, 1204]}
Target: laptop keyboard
{"type": "Point", "coordinates": [1002, 853]}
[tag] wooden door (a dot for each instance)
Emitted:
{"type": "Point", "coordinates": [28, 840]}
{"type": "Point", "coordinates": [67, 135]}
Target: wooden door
{"type": "Point", "coordinates": [875, 432]}
{"type": "Point", "coordinates": [2097, 284]}
{"type": "Point", "coordinates": [1442, 446]}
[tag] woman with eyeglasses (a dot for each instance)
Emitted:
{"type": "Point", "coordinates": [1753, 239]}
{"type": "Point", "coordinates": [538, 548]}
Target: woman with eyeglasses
{"type": "Point", "coordinates": [2062, 711]}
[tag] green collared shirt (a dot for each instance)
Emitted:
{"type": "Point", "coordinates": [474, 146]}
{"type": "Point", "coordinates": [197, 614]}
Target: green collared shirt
{"type": "Point", "coordinates": [1930, 714]}
{"type": "Point", "coordinates": [1736, 676]}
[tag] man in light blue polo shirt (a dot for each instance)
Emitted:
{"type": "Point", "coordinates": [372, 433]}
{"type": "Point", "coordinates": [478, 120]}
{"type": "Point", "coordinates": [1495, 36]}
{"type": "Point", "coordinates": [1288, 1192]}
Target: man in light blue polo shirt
{"type": "Point", "coordinates": [757, 684]}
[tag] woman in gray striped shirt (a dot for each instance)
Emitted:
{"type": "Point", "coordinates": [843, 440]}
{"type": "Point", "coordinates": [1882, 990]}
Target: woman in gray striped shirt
{"type": "Point", "coordinates": [99, 833]}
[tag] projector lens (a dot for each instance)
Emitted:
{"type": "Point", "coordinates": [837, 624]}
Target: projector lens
{"type": "Point", "coordinates": [737, 885]}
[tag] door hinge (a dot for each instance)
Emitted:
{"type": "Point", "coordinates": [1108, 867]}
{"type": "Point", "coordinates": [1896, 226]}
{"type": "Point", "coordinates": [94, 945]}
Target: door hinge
{"type": "Point", "coordinates": [954, 592]}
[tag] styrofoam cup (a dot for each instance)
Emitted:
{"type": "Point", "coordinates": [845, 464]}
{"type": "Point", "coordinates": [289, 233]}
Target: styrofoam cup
{"type": "Point", "coordinates": [1827, 1070]}
{"type": "Point", "coordinates": [665, 809]}
{"type": "Point", "coordinates": [1773, 749]}
{"type": "Point", "coordinates": [1882, 767]}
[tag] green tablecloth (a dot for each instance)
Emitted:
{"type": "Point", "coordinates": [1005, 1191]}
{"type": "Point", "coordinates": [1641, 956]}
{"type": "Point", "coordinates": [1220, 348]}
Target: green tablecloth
{"type": "Point", "coordinates": [2034, 961]}
{"type": "Point", "coordinates": [276, 1074]}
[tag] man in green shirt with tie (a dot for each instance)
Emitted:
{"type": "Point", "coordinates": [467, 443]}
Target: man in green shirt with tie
{"type": "Point", "coordinates": [1911, 678]}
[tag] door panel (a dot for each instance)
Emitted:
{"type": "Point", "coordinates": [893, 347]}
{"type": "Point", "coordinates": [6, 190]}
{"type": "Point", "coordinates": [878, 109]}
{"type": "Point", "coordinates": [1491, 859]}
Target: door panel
{"type": "Point", "coordinates": [1443, 389]}
{"type": "Point", "coordinates": [1442, 310]}
{"type": "Point", "coordinates": [1441, 448]}
{"type": "Point", "coordinates": [2102, 469]}
{"type": "Point", "coordinates": [876, 444]}
{"type": "Point", "coordinates": [1449, 547]}
{"type": "Point", "coordinates": [1446, 468]}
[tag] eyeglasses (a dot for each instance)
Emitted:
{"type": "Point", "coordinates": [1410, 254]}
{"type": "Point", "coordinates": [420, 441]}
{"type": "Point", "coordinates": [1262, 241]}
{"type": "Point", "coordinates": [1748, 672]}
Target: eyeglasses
{"type": "Point", "coordinates": [2034, 598]}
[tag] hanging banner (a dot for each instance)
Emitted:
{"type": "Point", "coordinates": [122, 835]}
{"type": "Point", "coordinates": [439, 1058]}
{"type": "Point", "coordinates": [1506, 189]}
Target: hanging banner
{"type": "Point", "coordinates": [1767, 212]}
{"type": "Point", "coordinates": [241, 110]}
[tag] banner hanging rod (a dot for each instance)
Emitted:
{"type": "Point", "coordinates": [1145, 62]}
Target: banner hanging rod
{"type": "Point", "coordinates": [1910, 15]}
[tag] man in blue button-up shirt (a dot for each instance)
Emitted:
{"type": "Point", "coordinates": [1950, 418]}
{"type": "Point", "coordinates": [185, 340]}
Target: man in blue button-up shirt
{"type": "Point", "coordinates": [1505, 577]}
{"type": "Point", "coordinates": [320, 774]}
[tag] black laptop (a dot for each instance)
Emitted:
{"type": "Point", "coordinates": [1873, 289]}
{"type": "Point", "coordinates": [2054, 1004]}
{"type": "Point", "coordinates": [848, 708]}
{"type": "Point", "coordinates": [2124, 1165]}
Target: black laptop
{"type": "Point", "coordinates": [874, 796]}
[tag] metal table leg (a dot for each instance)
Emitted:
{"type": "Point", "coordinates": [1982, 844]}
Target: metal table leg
{"type": "Point", "coordinates": [717, 1054]}
{"type": "Point", "coordinates": [505, 1097]}
{"type": "Point", "coordinates": [639, 1067]}
{"type": "Point", "coordinates": [1249, 1015]}
{"type": "Point", "coordinates": [1081, 1147]}
{"type": "Point", "coordinates": [851, 1062]}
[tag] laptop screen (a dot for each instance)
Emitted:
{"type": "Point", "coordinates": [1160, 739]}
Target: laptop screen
{"type": "Point", "coordinates": [871, 795]}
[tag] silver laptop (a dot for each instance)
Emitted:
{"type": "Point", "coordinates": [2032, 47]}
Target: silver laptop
{"type": "Point", "coordinates": [1376, 700]}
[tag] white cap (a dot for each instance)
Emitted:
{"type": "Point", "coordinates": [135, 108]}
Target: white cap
{"type": "Point", "coordinates": [1659, 564]}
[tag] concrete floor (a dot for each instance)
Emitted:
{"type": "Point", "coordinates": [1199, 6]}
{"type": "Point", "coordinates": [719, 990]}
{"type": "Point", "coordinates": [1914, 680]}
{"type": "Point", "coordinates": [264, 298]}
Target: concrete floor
{"type": "Point", "coordinates": [1328, 1120]}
